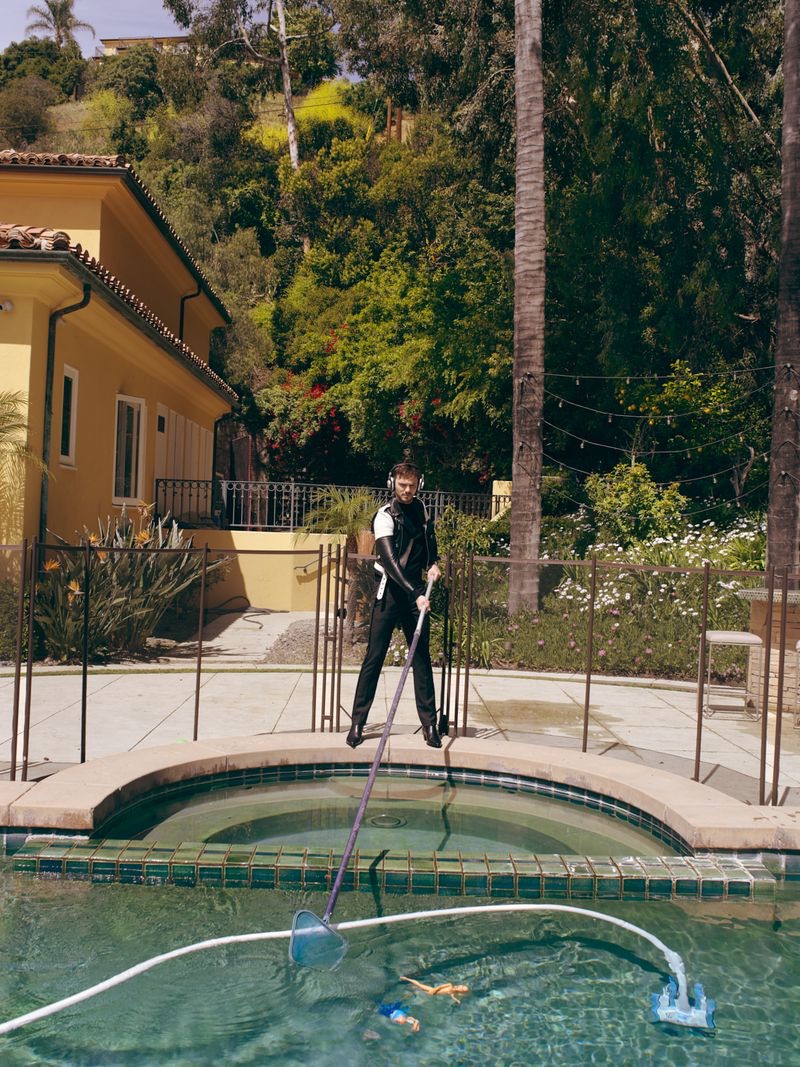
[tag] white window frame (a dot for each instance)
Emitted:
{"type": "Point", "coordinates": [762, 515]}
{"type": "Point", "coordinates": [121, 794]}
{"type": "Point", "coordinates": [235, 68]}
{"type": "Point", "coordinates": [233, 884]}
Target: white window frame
{"type": "Point", "coordinates": [136, 402]}
{"type": "Point", "coordinates": [68, 459]}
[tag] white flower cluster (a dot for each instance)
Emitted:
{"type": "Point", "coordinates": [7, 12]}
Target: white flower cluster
{"type": "Point", "coordinates": [666, 572]}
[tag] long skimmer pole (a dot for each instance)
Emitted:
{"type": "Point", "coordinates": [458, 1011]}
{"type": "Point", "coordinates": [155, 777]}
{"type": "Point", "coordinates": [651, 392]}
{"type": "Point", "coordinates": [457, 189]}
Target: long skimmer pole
{"type": "Point", "coordinates": [373, 771]}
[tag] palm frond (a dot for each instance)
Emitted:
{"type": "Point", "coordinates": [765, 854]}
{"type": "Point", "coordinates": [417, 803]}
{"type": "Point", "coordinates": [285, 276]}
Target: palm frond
{"type": "Point", "coordinates": [341, 511]}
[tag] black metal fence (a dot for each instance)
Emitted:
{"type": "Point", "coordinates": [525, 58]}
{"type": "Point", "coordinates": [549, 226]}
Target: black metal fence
{"type": "Point", "coordinates": [472, 629]}
{"type": "Point", "coordinates": [245, 505]}
{"type": "Point", "coordinates": [188, 500]}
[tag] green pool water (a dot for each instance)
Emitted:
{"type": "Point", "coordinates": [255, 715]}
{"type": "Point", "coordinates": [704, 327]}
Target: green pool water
{"type": "Point", "coordinates": [561, 990]}
{"type": "Point", "coordinates": [403, 813]}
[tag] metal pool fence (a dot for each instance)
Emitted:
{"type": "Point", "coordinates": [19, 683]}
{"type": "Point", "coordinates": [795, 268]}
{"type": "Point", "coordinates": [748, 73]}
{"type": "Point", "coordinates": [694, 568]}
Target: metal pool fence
{"type": "Point", "coordinates": [67, 612]}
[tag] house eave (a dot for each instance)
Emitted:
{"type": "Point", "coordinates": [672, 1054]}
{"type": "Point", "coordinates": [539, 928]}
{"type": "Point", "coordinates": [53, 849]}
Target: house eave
{"type": "Point", "coordinates": [139, 191]}
{"type": "Point", "coordinates": [84, 276]}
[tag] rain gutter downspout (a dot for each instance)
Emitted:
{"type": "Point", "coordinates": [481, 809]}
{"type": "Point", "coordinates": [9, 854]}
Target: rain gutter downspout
{"type": "Point", "coordinates": [189, 296]}
{"type": "Point", "coordinates": [59, 313]}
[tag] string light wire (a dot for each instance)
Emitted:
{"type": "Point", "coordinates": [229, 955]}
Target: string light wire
{"type": "Point", "coordinates": [697, 511]}
{"type": "Point", "coordinates": [685, 451]}
{"type": "Point", "coordinates": [730, 372]}
{"type": "Point", "coordinates": [651, 417]}
{"type": "Point", "coordinates": [661, 485]}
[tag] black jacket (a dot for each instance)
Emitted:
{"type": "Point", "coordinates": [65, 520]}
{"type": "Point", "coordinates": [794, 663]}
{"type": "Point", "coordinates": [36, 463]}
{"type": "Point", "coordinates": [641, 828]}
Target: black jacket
{"type": "Point", "coordinates": [393, 548]}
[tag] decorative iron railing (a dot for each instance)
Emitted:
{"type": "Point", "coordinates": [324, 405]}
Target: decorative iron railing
{"type": "Point", "coordinates": [188, 500]}
{"type": "Point", "coordinates": [242, 505]}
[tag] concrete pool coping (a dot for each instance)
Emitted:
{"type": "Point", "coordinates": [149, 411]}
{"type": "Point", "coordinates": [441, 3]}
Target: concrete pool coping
{"type": "Point", "coordinates": [80, 798]}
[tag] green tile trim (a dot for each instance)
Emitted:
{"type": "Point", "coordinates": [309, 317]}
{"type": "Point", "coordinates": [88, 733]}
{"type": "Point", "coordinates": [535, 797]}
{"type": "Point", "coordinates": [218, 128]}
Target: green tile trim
{"type": "Point", "coordinates": [526, 877]}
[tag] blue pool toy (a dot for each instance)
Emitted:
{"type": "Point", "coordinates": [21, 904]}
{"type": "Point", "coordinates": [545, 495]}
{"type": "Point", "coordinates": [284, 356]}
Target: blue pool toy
{"type": "Point", "coordinates": [669, 1007]}
{"type": "Point", "coordinates": [397, 1012]}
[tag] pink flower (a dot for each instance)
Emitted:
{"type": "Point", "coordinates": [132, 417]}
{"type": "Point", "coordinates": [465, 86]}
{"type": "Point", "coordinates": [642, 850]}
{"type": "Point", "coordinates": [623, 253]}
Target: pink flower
{"type": "Point", "coordinates": [602, 652]}
{"type": "Point", "coordinates": [540, 643]}
{"type": "Point", "coordinates": [572, 644]}
{"type": "Point", "coordinates": [648, 652]}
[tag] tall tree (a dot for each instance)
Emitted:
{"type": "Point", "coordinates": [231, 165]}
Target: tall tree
{"type": "Point", "coordinates": [783, 525]}
{"type": "Point", "coordinates": [56, 19]}
{"type": "Point", "coordinates": [249, 28]}
{"type": "Point", "coordinates": [529, 283]}
{"type": "Point", "coordinates": [286, 80]}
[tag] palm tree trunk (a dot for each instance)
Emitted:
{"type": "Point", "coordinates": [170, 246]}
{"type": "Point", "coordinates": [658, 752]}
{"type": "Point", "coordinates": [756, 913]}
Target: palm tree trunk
{"type": "Point", "coordinates": [783, 518]}
{"type": "Point", "coordinates": [529, 282]}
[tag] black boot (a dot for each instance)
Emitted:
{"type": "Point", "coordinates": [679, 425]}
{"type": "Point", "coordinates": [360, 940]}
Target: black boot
{"type": "Point", "coordinates": [431, 735]}
{"type": "Point", "coordinates": [356, 735]}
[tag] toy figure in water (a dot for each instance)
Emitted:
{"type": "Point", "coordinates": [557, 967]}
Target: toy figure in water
{"type": "Point", "coordinates": [446, 989]}
{"type": "Point", "coordinates": [398, 1013]}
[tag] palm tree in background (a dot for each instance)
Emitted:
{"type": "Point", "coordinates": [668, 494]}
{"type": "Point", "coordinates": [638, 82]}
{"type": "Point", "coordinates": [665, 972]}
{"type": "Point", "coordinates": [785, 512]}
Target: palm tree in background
{"type": "Point", "coordinates": [529, 283]}
{"type": "Point", "coordinates": [56, 19]}
{"type": "Point", "coordinates": [783, 518]}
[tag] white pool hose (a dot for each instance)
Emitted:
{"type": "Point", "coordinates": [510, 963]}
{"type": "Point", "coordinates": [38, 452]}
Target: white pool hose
{"type": "Point", "coordinates": [674, 961]}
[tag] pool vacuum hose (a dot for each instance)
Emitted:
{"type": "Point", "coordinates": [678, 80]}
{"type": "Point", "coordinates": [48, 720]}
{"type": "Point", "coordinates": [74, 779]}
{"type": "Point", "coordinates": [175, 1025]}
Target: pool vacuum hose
{"type": "Point", "coordinates": [670, 1006]}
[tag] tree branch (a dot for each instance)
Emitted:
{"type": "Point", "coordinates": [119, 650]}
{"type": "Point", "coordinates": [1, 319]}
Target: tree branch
{"type": "Point", "coordinates": [239, 40]}
{"type": "Point", "coordinates": [250, 47]}
{"type": "Point", "coordinates": [702, 34]}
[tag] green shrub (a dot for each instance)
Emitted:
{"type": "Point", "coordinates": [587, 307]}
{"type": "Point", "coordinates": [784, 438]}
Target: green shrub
{"type": "Point", "coordinates": [458, 534]}
{"type": "Point", "coordinates": [629, 506]}
{"type": "Point", "coordinates": [646, 622]}
{"type": "Point", "coordinates": [9, 599]}
{"type": "Point", "coordinates": [130, 587]}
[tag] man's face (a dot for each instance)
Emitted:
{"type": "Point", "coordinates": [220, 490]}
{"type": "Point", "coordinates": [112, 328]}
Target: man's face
{"type": "Point", "coordinates": [405, 487]}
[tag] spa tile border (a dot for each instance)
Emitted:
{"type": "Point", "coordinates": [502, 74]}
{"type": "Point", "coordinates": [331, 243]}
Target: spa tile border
{"type": "Point", "coordinates": [585, 798]}
{"type": "Point", "coordinates": [525, 877]}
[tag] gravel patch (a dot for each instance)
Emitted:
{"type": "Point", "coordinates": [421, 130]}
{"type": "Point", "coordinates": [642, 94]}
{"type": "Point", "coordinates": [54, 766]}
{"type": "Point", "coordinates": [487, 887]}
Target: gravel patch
{"type": "Point", "coordinates": [296, 645]}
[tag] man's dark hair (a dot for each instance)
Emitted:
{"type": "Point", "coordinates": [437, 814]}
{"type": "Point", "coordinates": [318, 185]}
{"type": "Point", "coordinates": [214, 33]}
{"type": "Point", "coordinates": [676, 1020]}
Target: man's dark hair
{"type": "Point", "coordinates": [407, 469]}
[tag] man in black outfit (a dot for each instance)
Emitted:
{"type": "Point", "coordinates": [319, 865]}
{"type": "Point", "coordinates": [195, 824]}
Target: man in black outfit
{"type": "Point", "coordinates": [405, 543]}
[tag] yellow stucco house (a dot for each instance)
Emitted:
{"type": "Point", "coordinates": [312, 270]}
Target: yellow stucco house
{"type": "Point", "coordinates": [105, 326]}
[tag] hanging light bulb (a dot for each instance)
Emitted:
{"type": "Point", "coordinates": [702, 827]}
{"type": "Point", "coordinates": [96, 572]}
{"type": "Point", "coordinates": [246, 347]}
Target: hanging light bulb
{"type": "Point", "coordinates": [561, 403]}
{"type": "Point", "coordinates": [577, 381]}
{"type": "Point", "coordinates": [582, 443]}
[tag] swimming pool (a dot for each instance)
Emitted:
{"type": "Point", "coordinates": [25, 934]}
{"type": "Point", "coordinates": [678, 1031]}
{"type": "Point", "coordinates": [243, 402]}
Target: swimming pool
{"type": "Point", "coordinates": [543, 989]}
{"type": "Point", "coordinates": [421, 814]}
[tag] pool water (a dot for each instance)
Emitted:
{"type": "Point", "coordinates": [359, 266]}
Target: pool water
{"type": "Point", "coordinates": [418, 814]}
{"type": "Point", "coordinates": [560, 990]}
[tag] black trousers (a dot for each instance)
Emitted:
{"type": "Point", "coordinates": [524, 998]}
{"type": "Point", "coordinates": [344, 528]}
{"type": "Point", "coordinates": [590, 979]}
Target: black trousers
{"type": "Point", "coordinates": [394, 607]}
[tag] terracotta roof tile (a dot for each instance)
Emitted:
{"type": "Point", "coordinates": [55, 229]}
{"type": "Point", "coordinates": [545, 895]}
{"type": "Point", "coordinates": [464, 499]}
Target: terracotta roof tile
{"type": "Point", "coordinates": [39, 238]}
{"type": "Point", "coordinates": [11, 158]}
{"type": "Point", "coordinates": [33, 237]}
